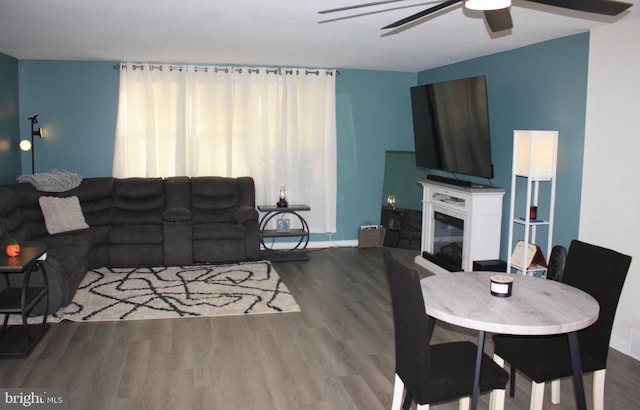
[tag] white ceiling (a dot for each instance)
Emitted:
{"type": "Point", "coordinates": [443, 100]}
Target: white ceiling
{"type": "Point", "coordinates": [270, 32]}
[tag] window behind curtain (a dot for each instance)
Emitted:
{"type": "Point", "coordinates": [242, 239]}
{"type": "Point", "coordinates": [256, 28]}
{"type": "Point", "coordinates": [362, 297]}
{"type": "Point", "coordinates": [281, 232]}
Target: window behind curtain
{"type": "Point", "coordinates": [277, 126]}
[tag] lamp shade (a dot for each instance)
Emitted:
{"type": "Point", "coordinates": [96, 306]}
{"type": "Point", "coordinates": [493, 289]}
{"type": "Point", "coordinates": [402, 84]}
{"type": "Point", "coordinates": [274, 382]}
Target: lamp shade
{"type": "Point", "coordinates": [535, 154]}
{"type": "Point", "coordinates": [487, 4]}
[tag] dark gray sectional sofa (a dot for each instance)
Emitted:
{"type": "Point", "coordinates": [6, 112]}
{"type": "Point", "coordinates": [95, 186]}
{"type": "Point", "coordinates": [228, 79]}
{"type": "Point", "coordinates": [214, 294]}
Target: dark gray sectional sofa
{"type": "Point", "coordinates": [136, 222]}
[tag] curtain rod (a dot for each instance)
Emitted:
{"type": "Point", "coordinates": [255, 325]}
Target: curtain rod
{"type": "Point", "coordinates": [288, 71]}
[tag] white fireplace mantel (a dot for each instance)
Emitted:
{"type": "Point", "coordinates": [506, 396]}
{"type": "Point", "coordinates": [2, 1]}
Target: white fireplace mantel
{"type": "Point", "coordinates": [479, 206]}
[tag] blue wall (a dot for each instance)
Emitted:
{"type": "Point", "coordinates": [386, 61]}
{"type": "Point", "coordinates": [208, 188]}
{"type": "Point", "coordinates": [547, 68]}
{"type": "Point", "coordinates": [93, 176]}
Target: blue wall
{"type": "Point", "coordinates": [76, 103]}
{"type": "Point", "coordinates": [542, 86]}
{"type": "Point", "coordinates": [373, 116]}
{"type": "Point", "coordinates": [539, 87]}
{"type": "Point", "coordinates": [9, 129]}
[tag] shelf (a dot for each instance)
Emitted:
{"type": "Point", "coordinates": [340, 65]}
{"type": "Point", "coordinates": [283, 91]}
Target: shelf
{"type": "Point", "coordinates": [272, 233]}
{"type": "Point", "coordinates": [531, 222]}
{"type": "Point", "coordinates": [536, 268]}
{"type": "Point", "coordinates": [14, 343]}
{"type": "Point", "coordinates": [19, 340]}
{"type": "Point", "coordinates": [295, 251]}
{"type": "Point", "coordinates": [288, 209]}
{"type": "Point", "coordinates": [535, 160]}
{"type": "Point", "coordinates": [452, 200]}
{"type": "Point", "coordinates": [284, 256]}
{"type": "Point", "coordinates": [10, 299]}
{"type": "Point", "coordinates": [536, 178]}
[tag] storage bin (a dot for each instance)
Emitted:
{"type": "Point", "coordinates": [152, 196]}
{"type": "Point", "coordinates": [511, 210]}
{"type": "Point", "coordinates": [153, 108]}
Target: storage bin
{"type": "Point", "coordinates": [370, 237]}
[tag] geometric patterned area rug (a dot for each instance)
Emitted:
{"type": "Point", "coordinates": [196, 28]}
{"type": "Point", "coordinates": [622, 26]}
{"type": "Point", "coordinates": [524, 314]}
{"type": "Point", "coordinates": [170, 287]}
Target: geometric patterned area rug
{"type": "Point", "coordinates": [110, 294]}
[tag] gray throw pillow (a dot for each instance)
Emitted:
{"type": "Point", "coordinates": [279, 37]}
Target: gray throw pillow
{"type": "Point", "coordinates": [62, 214]}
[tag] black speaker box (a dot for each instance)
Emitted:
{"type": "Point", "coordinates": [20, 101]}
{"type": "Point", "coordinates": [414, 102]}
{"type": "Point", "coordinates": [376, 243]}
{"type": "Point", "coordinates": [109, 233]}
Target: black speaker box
{"type": "Point", "coordinates": [493, 265]}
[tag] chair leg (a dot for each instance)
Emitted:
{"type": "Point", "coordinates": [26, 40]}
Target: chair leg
{"type": "Point", "coordinates": [598, 389]}
{"type": "Point", "coordinates": [496, 399]}
{"type": "Point", "coordinates": [512, 382]}
{"type": "Point", "coordinates": [537, 396]}
{"type": "Point", "coordinates": [555, 391]}
{"type": "Point", "coordinates": [398, 390]}
{"type": "Point", "coordinates": [408, 400]}
{"type": "Point", "coordinates": [464, 403]}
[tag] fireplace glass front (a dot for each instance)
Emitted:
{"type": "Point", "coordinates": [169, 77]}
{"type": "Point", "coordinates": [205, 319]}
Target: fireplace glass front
{"type": "Point", "coordinates": [448, 234]}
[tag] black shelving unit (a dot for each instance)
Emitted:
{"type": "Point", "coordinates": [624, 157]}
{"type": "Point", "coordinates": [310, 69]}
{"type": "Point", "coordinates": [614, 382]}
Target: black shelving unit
{"type": "Point", "coordinates": [18, 341]}
{"type": "Point", "coordinates": [294, 250]}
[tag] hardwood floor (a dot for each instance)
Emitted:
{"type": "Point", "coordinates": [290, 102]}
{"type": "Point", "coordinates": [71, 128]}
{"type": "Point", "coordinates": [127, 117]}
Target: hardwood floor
{"type": "Point", "coordinates": [337, 353]}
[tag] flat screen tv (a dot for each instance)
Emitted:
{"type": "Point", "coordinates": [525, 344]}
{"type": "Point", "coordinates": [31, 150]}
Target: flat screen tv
{"type": "Point", "coordinates": [451, 127]}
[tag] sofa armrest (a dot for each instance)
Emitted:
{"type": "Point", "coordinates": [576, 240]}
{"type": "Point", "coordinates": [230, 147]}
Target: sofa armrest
{"type": "Point", "coordinates": [245, 214]}
{"type": "Point", "coordinates": [177, 214]}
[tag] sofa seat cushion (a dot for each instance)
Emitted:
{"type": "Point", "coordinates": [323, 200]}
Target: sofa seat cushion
{"type": "Point", "coordinates": [136, 234]}
{"type": "Point", "coordinates": [143, 254]}
{"type": "Point", "coordinates": [219, 251]}
{"type": "Point", "coordinates": [215, 231]}
{"type": "Point", "coordinates": [95, 235]}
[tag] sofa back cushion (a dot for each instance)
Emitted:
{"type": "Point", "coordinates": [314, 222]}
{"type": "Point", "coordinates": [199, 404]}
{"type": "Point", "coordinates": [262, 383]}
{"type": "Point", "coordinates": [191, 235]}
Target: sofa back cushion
{"type": "Point", "coordinates": [96, 199]}
{"type": "Point", "coordinates": [10, 216]}
{"type": "Point", "coordinates": [138, 201]}
{"type": "Point", "coordinates": [177, 199]}
{"type": "Point", "coordinates": [25, 221]}
{"type": "Point", "coordinates": [214, 199]}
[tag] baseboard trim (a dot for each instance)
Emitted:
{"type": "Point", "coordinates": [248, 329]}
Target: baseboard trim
{"type": "Point", "coordinates": [318, 244]}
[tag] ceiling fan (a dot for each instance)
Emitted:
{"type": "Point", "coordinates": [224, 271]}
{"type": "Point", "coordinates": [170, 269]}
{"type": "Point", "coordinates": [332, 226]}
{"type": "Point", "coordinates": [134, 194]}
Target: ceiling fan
{"type": "Point", "coordinates": [496, 12]}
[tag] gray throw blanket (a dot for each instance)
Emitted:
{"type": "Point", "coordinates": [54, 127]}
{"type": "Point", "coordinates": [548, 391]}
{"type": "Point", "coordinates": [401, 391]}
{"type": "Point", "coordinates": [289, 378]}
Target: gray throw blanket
{"type": "Point", "coordinates": [58, 180]}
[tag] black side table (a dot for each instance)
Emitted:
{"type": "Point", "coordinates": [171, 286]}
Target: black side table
{"type": "Point", "coordinates": [295, 252]}
{"type": "Point", "coordinates": [19, 340]}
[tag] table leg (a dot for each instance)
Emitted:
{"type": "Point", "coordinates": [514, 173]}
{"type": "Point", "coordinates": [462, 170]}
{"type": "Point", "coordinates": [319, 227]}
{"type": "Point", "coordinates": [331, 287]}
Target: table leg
{"type": "Point", "coordinates": [576, 364]}
{"type": "Point", "coordinates": [431, 324]}
{"type": "Point", "coordinates": [476, 376]}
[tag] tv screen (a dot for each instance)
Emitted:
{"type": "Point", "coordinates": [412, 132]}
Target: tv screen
{"type": "Point", "coordinates": [451, 127]}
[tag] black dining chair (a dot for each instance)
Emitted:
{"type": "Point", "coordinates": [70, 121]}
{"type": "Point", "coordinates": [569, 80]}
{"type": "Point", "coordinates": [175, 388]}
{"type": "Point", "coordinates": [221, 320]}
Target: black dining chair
{"type": "Point", "coordinates": [601, 273]}
{"type": "Point", "coordinates": [432, 373]}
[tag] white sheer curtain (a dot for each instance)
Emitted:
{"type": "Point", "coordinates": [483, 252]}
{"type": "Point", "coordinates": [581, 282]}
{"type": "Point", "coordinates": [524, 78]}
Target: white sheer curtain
{"type": "Point", "coordinates": [275, 125]}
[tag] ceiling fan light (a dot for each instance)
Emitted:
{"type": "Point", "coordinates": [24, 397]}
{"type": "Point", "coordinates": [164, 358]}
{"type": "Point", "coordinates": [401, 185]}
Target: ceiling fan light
{"type": "Point", "coordinates": [487, 4]}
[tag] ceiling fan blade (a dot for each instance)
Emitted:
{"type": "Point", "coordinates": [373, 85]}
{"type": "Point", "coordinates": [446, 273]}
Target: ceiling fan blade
{"type": "Point", "coordinates": [358, 6]}
{"type": "Point", "coordinates": [609, 8]}
{"type": "Point", "coordinates": [498, 20]}
{"type": "Point", "coordinates": [372, 12]}
{"type": "Point", "coordinates": [422, 14]}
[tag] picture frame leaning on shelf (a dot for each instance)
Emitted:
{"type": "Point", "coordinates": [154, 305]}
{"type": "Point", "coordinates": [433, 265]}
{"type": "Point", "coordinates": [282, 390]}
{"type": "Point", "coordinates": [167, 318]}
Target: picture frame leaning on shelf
{"type": "Point", "coordinates": [534, 256]}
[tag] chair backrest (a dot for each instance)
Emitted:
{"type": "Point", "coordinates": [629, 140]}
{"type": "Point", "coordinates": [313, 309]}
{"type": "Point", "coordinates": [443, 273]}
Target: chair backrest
{"type": "Point", "coordinates": [410, 327]}
{"type": "Point", "coordinates": [601, 273]}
